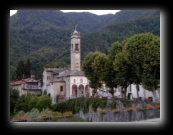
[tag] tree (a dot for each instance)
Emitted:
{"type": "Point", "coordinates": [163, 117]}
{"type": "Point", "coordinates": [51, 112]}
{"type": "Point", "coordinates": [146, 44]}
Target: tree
{"type": "Point", "coordinates": [135, 49]}
{"type": "Point", "coordinates": [123, 72]}
{"type": "Point", "coordinates": [14, 96]}
{"type": "Point", "coordinates": [20, 70]}
{"type": "Point", "coordinates": [22, 103]}
{"type": "Point", "coordinates": [27, 70]}
{"type": "Point", "coordinates": [151, 66]}
{"type": "Point", "coordinates": [99, 64]}
{"type": "Point", "coordinates": [89, 72]}
{"type": "Point", "coordinates": [109, 72]}
{"type": "Point", "coordinates": [43, 102]}
{"type": "Point", "coordinates": [32, 102]}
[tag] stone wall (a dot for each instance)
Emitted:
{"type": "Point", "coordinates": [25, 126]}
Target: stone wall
{"type": "Point", "coordinates": [122, 116]}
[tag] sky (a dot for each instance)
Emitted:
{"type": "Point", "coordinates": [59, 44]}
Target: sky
{"type": "Point", "coordinates": [97, 12]}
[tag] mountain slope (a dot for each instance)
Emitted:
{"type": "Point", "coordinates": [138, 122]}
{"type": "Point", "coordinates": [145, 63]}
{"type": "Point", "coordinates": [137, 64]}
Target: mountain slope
{"type": "Point", "coordinates": [44, 35]}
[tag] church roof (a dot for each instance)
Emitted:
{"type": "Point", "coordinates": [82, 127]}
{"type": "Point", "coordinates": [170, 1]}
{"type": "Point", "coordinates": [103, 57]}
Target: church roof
{"type": "Point", "coordinates": [67, 73]}
{"type": "Point", "coordinates": [55, 70]}
{"type": "Point", "coordinates": [73, 73]}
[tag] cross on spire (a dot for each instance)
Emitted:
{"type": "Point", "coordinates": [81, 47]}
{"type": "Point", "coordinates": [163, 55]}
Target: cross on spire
{"type": "Point", "coordinates": [75, 27]}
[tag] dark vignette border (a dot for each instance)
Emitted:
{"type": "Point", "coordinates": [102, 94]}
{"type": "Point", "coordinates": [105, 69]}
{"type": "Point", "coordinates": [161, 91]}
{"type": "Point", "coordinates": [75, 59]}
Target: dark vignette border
{"type": "Point", "coordinates": [117, 127]}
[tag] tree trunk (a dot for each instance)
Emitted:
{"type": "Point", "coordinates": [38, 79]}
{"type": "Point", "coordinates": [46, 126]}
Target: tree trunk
{"type": "Point", "coordinates": [155, 98]}
{"type": "Point", "coordinates": [137, 90]}
{"type": "Point", "coordinates": [125, 90]}
{"type": "Point", "coordinates": [112, 91]}
{"type": "Point", "coordinates": [121, 91]}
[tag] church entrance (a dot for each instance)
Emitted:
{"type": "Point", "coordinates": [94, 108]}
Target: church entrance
{"type": "Point", "coordinates": [74, 90]}
{"type": "Point", "coordinates": [81, 90]}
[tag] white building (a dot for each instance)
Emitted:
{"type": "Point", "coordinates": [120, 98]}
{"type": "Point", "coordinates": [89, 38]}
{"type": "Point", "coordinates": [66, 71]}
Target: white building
{"type": "Point", "coordinates": [131, 92]}
{"type": "Point", "coordinates": [62, 83]}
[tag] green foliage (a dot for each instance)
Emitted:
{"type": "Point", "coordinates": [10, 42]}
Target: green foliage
{"type": "Point", "coordinates": [22, 103]}
{"type": "Point", "coordinates": [32, 102]}
{"type": "Point", "coordinates": [112, 105]}
{"type": "Point", "coordinates": [99, 65]}
{"type": "Point", "coordinates": [151, 66]}
{"type": "Point", "coordinates": [23, 69]}
{"type": "Point", "coordinates": [87, 67]}
{"type": "Point", "coordinates": [27, 71]}
{"type": "Point", "coordinates": [44, 35]}
{"type": "Point", "coordinates": [14, 96]}
{"type": "Point", "coordinates": [34, 113]}
{"type": "Point", "coordinates": [28, 102]}
{"type": "Point", "coordinates": [143, 54]}
{"type": "Point", "coordinates": [43, 102]}
{"type": "Point", "coordinates": [77, 104]}
{"type": "Point", "coordinates": [126, 103]}
{"type": "Point", "coordinates": [98, 102]}
{"type": "Point", "coordinates": [20, 70]}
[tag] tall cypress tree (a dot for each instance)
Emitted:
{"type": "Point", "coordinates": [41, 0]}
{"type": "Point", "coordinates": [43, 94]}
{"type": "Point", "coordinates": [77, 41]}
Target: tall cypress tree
{"type": "Point", "coordinates": [27, 68]}
{"type": "Point", "coordinates": [20, 70]}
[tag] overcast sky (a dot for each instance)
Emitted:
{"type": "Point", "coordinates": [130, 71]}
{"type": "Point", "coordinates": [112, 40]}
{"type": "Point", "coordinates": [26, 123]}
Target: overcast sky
{"type": "Point", "coordinates": [97, 12]}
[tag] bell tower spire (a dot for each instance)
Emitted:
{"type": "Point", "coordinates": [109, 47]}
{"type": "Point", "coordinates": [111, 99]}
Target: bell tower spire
{"type": "Point", "coordinates": [75, 50]}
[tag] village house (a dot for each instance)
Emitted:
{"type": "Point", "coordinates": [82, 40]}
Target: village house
{"type": "Point", "coordinates": [27, 86]}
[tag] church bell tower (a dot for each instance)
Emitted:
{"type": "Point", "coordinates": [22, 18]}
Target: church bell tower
{"type": "Point", "coordinates": [75, 50]}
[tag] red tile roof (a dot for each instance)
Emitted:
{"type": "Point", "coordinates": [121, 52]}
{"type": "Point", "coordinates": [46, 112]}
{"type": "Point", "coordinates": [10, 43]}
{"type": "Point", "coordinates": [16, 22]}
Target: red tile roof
{"type": "Point", "coordinates": [19, 82]}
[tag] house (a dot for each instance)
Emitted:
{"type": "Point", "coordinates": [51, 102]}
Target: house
{"type": "Point", "coordinates": [27, 86]}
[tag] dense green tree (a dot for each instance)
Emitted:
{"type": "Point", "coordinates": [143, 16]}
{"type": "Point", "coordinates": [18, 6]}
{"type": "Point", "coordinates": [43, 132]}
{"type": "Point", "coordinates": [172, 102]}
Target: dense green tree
{"type": "Point", "coordinates": [22, 103]}
{"type": "Point", "coordinates": [151, 66]}
{"type": "Point", "coordinates": [14, 96]}
{"type": "Point", "coordinates": [20, 70]}
{"type": "Point", "coordinates": [135, 49]}
{"type": "Point", "coordinates": [110, 73]}
{"type": "Point", "coordinates": [43, 102]}
{"type": "Point", "coordinates": [123, 72]}
{"type": "Point", "coordinates": [87, 68]}
{"type": "Point", "coordinates": [99, 64]}
{"type": "Point", "coordinates": [27, 70]}
{"type": "Point", "coordinates": [32, 102]}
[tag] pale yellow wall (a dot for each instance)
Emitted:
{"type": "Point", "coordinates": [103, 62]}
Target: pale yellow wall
{"type": "Point", "coordinates": [58, 85]}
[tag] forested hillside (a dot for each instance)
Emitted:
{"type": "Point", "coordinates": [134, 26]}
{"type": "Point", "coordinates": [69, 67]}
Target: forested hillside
{"type": "Point", "coordinates": [44, 35]}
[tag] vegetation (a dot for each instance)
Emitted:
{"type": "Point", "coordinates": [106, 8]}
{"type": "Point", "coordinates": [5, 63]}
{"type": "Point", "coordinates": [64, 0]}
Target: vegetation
{"type": "Point", "coordinates": [28, 102]}
{"type": "Point", "coordinates": [135, 60]}
{"type": "Point", "coordinates": [43, 36]}
{"type": "Point", "coordinates": [23, 70]}
{"type": "Point", "coordinates": [14, 96]}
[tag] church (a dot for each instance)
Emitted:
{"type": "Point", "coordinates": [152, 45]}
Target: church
{"type": "Point", "coordinates": [61, 83]}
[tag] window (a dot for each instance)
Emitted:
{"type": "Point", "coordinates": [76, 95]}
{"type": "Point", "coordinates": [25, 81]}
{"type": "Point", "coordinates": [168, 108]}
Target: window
{"type": "Point", "coordinates": [48, 77]}
{"type": "Point", "coordinates": [76, 47]}
{"type": "Point", "coordinates": [81, 80]}
{"type": "Point", "coordinates": [74, 80]}
{"type": "Point", "coordinates": [61, 88]}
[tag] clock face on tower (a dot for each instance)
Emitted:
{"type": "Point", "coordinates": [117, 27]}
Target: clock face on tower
{"type": "Point", "coordinates": [77, 56]}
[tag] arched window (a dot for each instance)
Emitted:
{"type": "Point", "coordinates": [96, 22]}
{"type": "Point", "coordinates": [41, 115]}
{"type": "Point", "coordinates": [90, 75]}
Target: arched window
{"type": "Point", "coordinates": [74, 80]}
{"type": "Point", "coordinates": [81, 80]}
{"type": "Point", "coordinates": [76, 47]}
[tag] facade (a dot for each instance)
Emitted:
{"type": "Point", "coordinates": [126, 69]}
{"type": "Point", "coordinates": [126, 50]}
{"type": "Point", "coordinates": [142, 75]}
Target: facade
{"type": "Point", "coordinates": [132, 92]}
{"type": "Point", "coordinates": [62, 83]}
{"type": "Point", "coordinates": [27, 86]}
